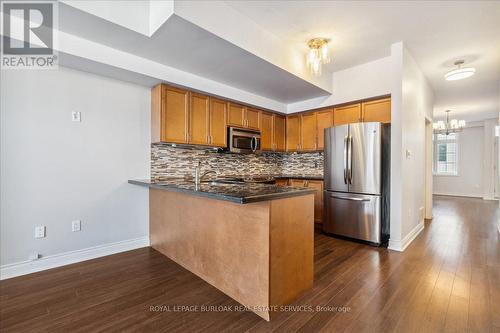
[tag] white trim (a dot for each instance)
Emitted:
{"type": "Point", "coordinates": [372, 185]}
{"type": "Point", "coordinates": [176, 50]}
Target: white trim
{"type": "Point", "coordinates": [459, 195]}
{"type": "Point", "coordinates": [26, 267]}
{"type": "Point", "coordinates": [401, 245]}
{"type": "Point", "coordinates": [498, 227]}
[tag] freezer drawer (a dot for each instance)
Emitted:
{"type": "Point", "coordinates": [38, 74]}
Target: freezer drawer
{"type": "Point", "coordinates": [356, 216]}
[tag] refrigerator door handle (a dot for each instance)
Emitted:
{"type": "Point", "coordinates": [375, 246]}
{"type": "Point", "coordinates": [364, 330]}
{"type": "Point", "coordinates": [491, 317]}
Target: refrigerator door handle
{"type": "Point", "coordinates": [345, 159]}
{"type": "Point", "coordinates": [349, 159]}
{"type": "Point", "coordinates": [348, 198]}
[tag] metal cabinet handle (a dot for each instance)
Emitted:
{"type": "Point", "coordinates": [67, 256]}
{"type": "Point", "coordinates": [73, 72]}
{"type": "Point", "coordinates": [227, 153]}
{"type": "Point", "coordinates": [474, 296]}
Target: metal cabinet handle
{"type": "Point", "coordinates": [348, 198]}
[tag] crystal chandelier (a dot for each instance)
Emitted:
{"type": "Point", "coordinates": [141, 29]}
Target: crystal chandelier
{"type": "Point", "coordinates": [317, 55]}
{"type": "Point", "coordinates": [450, 126]}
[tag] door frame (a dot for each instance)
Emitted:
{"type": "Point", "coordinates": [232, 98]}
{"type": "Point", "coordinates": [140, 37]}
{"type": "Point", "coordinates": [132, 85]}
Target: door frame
{"type": "Point", "coordinates": [428, 168]}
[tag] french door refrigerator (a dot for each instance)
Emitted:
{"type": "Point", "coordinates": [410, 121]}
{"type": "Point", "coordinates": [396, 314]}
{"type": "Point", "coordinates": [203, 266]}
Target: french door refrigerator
{"type": "Point", "coordinates": [357, 181]}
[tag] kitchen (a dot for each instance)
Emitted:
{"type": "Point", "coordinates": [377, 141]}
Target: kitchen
{"type": "Point", "coordinates": [244, 155]}
{"type": "Point", "coordinates": [250, 166]}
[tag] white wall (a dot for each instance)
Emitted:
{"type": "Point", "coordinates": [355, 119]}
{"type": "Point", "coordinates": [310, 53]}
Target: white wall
{"type": "Point", "coordinates": [359, 82]}
{"type": "Point", "coordinates": [412, 102]}
{"type": "Point", "coordinates": [469, 181]}
{"type": "Point", "coordinates": [54, 170]}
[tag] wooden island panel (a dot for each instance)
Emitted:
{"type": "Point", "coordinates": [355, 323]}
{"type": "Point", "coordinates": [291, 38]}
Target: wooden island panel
{"type": "Point", "coordinates": [260, 254]}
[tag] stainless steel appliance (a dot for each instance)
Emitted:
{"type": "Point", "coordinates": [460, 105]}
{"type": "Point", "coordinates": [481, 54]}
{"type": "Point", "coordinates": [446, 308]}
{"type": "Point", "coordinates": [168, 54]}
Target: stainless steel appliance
{"type": "Point", "coordinates": [357, 181]}
{"type": "Point", "coordinates": [243, 140]}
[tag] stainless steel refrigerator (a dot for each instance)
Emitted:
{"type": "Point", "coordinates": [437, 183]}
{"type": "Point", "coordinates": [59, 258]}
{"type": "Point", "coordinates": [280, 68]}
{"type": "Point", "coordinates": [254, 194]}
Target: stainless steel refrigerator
{"type": "Point", "coordinates": [357, 181]}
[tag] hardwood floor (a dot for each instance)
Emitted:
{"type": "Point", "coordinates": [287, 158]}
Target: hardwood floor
{"type": "Point", "coordinates": [447, 280]}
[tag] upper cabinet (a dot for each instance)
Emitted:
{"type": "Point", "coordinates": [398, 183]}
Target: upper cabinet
{"type": "Point", "coordinates": [252, 117]}
{"type": "Point", "coordinates": [377, 110]}
{"type": "Point", "coordinates": [310, 131]}
{"type": "Point", "coordinates": [293, 133]}
{"type": "Point", "coordinates": [272, 131]}
{"type": "Point", "coordinates": [180, 116]}
{"type": "Point", "coordinates": [324, 119]}
{"type": "Point", "coordinates": [241, 116]}
{"type": "Point", "coordinates": [347, 114]}
{"type": "Point", "coordinates": [218, 122]}
{"type": "Point", "coordinates": [374, 110]}
{"type": "Point", "coordinates": [169, 114]}
{"type": "Point", "coordinates": [184, 117]}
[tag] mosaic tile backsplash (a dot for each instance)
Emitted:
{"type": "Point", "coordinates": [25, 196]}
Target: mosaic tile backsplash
{"type": "Point", "coordinates": [167, 161]}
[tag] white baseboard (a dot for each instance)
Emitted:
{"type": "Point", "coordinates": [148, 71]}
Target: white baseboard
{"type": "Point", "coordinates": [62, 259]}
{"type": "Point", "coordinates": [401, 245]}
{"type": "Point", "coordinates": [459, 195]}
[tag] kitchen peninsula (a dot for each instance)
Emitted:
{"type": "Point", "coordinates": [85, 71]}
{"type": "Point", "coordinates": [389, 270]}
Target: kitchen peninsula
{"type": "Point", "coordinates": [253, 242]}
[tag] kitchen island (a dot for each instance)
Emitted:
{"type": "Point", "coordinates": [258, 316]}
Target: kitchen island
{"type": "Point", "coordinates": [254, 242]}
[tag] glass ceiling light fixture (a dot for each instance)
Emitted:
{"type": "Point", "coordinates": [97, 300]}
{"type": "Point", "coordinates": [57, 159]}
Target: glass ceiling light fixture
{"type": "Point", "coordinates": [459, 73]}
{"type": "Point", "coordinates": [317, 55]}
{"type": "Point", "coordinates": [448, 127]}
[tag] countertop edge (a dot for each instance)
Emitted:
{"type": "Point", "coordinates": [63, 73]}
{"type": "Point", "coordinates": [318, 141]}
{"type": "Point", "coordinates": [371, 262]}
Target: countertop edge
{"type": "Point", "coordinates": [216, 196]}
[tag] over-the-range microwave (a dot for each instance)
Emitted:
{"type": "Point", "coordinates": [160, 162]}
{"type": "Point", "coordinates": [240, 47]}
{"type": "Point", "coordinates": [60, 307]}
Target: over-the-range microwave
{"type": "Point", "coordinates": [243, 140]}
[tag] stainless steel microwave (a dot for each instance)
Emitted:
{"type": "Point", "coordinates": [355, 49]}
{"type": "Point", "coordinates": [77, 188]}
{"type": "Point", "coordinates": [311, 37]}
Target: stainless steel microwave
{"type": "Point", "coordinates": [243, 141]}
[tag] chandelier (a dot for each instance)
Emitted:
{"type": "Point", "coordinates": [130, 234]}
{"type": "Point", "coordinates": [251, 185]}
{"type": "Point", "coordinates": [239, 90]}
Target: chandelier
{"type": "Point", "coordinates": [448, 127]}
{"type": "Point", "coordinates": [317, 55]}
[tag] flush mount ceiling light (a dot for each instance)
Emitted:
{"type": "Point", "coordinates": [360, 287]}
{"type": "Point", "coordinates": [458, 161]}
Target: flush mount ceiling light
{"type": "Point", "coordinates": [459, 73]}
{"type": "Point", "coordinates": [448, 127]}
{"type": "Point", "coordinates": [317, 55]}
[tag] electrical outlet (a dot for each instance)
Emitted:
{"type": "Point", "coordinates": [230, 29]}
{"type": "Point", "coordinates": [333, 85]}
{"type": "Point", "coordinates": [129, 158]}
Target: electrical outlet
{"type": "Point", "coordinates": [76, 116]}
{"type": "Point", "coordinates": [35, 256]}
{"type": "Point", "coordinates": [76, 225]}
{"type": "Point", "coordinates": [40, 231]}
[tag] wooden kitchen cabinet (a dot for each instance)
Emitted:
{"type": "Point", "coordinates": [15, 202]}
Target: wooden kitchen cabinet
{"type": "Point", "coordinates": [279, 133]}
{"type": "Point", "coordinates": [236, 115]}
{"type": "Point", "coordinates": [272, 131]}
{"type": "Point", "coordinates": [169, 114]}
{"type": "Point", "coordinates": [347, 114]}
{"type": "Point", "coordinates": [308, 132]}
{"type": "Point", "coordinates": [377, 110]}
{"type": "Point", "coordinates": [241, 116]}
{"type": "Point", "coordinates": [297, 182]}
{"type": "Point", "coordinates": [282, 182]}
{"type": "Point", "coordinates": [324, 119]}
{"type": "Point", "coordinates": [293, 133]}
{"type": "Point", "coordinates": [199, 114]}
{"type": "Point", "coordinates": [318, 199]}
{"type": "Point", "coordinates": [252, 117]}
{"type": "Point", "coordinates": [217, 122]}
{"type": "Point", "coordinates": [267, 131]}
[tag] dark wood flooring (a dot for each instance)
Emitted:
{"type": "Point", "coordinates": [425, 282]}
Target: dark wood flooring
{"type": "Point", "coordinates": [447, 280]}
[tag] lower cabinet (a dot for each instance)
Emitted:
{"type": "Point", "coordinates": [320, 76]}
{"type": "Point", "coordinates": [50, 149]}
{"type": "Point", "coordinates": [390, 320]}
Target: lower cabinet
{"type": "Point", "coordinates": [318, 195]}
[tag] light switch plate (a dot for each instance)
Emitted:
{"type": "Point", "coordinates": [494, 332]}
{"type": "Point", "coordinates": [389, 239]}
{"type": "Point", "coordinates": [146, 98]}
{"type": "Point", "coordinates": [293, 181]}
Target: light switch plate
{"type": "Point", "coordinates": [76, 225]}
{"type": "Point", "coordinates": [40, 231]}
{"type": "Point", "coordinates": [76, 116]}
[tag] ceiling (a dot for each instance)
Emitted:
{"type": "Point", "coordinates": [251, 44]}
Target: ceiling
{"type": "Point", "coordinates": [185, 46]}
{"type": "Point", "coordinates": [435, 32]}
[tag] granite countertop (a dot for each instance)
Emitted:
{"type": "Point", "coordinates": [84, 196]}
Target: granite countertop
{"type": "Point", "coordinates": [238, 193]}
{"type": "Point", "coordinates": [299, 176]}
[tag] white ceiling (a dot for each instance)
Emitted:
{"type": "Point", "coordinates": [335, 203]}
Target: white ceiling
{"type": "Point", "coordinates": [436, 32]}
{"type": "Point", "coordinates": [185, 46]}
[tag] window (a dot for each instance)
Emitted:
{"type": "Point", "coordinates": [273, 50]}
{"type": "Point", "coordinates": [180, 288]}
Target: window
{"type": "Point", "coordinates": [446, 154]}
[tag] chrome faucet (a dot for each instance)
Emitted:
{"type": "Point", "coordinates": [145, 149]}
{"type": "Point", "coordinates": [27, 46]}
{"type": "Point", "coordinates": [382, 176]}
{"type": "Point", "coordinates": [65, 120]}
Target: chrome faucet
{"type": "Point", "coordinates": [198, 176]}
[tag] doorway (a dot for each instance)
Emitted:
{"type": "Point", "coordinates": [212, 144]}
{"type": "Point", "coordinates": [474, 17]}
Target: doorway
{"type": "Point", "coordinates": [428, 169]}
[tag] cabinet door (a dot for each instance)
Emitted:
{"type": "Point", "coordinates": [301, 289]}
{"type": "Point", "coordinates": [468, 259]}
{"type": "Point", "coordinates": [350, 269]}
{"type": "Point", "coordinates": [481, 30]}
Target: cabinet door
{"type": "Point", "coordinates": [279, 133]}
{"type": "Point", "coordinates": [308, 132]}
{"type": "Point", "coordinates": [282, 182]}
{"type": "Point", "coordinates": [318, 199]}
{"type": "Point", "coordinates": [292, 133]}
{"type": "Point", "coordinates": [198, 119]}
{"type": "Point", "coordinates": [236, 115]}
{"type": "Point", "coordinates": [218, 116]}
{"type": "Point", "coordinates": [379, 110]}
{"type": "Point", "coordinates": [324, 120]}
{"type": "Point", "coordinates": [347, 114]}
{"type": "Point", "coordinates": [174, 115]}
{"type": "Point", "coordinates": [266, 131]}
{"type": "Point", "coordinates": [297, 182]}
{"type": "Point", "coordinates": [253, 119]}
